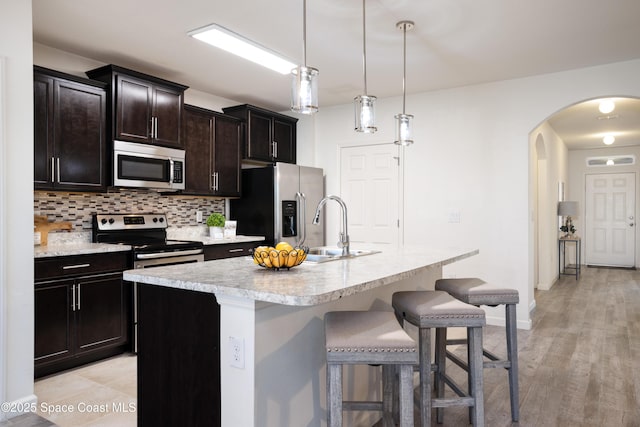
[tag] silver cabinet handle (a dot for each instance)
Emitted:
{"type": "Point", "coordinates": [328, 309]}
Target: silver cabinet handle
{"type": "Point", "coordinates": [211, 178]}
{"type": "Point", "coordinates": [236, 250]}
{"type": "Point", "coordinates": [78, 306]}
{"type": "Point", "coordinates": [53, 169]}
{"type": "Point", "coordinates": [155, 132]}
{"type": "Point", "coordinates": [275, 149]}
{"type": "Point", "coordinates": [73, 297]}
{"type": "Point", "coordinates": [151, 130]}
{"type": "Point", "coordinates": [216, 181]}
{"type": "Point", "coordinates": [58, 169]}
{"type": "Point", "coordinates": [70, 267]}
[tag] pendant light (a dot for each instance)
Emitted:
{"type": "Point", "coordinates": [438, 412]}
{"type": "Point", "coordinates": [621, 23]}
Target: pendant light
{"type": "Point", "coordinates": [364, 105]}
{"type": "Point", "coordinates": [304, 90]}
{"type": "Point", "coordinates": [404, 133]}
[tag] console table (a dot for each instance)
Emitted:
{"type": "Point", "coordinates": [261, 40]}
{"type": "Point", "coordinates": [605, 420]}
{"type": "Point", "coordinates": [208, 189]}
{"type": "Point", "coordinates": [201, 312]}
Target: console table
{"type": "Point", "coordinates": [562, 259]}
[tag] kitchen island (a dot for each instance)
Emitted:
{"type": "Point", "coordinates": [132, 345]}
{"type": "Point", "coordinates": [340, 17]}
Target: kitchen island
{"type": "Point", "coordinates": [271, 324]}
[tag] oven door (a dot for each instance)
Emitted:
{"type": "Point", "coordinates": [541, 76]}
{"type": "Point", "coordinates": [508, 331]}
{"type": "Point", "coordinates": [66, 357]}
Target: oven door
{"type": "Point", "coordinates": [168, 258]}
{"type": "Point", "coordinates": [156, 260]}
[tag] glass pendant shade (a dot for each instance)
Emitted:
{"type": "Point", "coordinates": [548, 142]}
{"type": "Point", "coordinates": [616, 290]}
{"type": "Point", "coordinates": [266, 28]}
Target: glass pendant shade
{"type": "Point", "coordinates": [304, 90]}
{"type": "Point", "coordinates": [365, 115]}
{"type": "Point", "coordinates": [404, 131]}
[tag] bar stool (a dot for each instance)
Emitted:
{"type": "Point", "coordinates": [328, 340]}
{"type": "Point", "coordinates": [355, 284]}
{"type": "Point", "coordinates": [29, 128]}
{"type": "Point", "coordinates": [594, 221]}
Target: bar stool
{"type": "Point", "coordinates": [369, 337]}
{"type": "Point", "coordinates": [437, 309]}
{"type": "Point", "coordinates": [478, 292]}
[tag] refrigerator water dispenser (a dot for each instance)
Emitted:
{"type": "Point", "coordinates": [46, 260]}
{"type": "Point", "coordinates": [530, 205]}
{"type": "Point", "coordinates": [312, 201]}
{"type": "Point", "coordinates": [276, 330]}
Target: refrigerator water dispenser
{"type": "Point", "coordinates": [289, 218]}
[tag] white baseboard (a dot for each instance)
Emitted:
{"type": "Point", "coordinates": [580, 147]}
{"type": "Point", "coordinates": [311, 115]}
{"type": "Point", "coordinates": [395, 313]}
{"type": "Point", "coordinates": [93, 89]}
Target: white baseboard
{"type": "Point", "coordinates": [24, 405]}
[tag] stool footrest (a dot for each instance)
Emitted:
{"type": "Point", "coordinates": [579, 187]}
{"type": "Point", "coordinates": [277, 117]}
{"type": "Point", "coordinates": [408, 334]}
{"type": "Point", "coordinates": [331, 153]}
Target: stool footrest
{"type": "Point", "coordinates": [494, 363]}
{"type": "Point", "coordinates": [364, 405]}
{"type": "Point", "coordinates": [454, 386]}
{"type": "Point", "coordinates": [447, 403]}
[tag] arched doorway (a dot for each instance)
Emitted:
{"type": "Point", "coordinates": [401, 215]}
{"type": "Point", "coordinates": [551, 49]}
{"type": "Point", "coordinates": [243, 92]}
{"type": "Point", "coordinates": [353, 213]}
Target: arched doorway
{"type": "Point", "coordinates": [559, 147]}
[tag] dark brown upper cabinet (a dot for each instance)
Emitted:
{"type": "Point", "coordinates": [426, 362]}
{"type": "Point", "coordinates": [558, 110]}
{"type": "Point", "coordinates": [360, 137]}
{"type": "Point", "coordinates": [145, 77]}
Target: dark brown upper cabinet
{"type": "Point", "coordinates": [212, 144]}
{"type": "Point", "coordinates": [70, 142]}
{"type": "Point", "coordinates": [143, 108]}
{"type": "Point", "coordinates": [268, 136]}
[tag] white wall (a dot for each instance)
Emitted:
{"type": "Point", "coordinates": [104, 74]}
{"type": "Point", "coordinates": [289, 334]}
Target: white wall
{"type": "Point", "coordinates": [552, 170]}
{"type": "Point", "coordinates": [16, 205]}
{"type": "Point", "coordinates": [472, 153]}
{"type": "Point", "coordinates": [578, 169]}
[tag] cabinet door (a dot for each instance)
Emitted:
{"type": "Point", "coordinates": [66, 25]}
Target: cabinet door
{"type": "Point", "coordinates": [133, 110]}
{"type": "Point", "coordinates": [43, 131]}
{"type": "Point", "coordinates": [80, 146]}
{"type": "Point", "coordinates": [227, 157]}
{"type": "Point", "coordinates": [198, 140]}
{"type": "Point", "coordinates": [53, 307]}
{"type": "Point", "coordinates": [258, 145]}
{"type": "Point", "coordinates": [284, 137]}
{"type": "Point", "coordinates": [101, 312]}
{"type": "Point", "coordinates": [167, 112]}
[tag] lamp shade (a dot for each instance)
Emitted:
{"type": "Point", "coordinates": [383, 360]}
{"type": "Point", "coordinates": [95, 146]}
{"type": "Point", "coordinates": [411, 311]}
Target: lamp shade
{"type": "Point", "coordinates": [567, 208]}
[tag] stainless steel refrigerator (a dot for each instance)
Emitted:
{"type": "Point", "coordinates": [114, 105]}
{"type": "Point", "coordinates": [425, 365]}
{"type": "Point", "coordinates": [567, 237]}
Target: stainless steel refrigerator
{"type": "Point", "coordinates": [279, 202]}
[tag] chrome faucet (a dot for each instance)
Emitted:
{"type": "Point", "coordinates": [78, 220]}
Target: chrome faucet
{"type": "Point", "coordinates": [344, 235]}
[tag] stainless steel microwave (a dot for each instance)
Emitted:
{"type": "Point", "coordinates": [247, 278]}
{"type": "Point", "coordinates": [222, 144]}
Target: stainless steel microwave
{"type": "Point", "coordinates": [148, 166]}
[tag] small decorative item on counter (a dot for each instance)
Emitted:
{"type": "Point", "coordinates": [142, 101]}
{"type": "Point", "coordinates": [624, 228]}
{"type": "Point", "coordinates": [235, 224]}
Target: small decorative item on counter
{"type": "Point", "coordinates": [283, 256]}
{"type": "Point", "coordinates": [37, 236]}
{"type": "Point", "coordinates": [230, 229]}
{"type": "Point", "coordinates": [216, 221]}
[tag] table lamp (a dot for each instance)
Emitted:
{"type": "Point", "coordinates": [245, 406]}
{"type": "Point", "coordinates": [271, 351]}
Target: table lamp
{"type": "Point", "coordinates": [568, 209]}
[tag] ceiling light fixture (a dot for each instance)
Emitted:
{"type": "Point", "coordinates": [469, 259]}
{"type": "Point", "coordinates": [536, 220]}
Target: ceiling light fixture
{"type": "Point", "coordinates": [609, 139]}
{"type": "Point", "coordinates": [304, 89]}
{"type": "Point", "coordinates": [404, 133]}
{"type": "Point", "coordinates": [606, 106]}
{"type": "Point", "coordinates": [232, 42]}
{"type": "Point", "coordinates": [610, 162]}
{"type": "Point", "coordinates": [364, 105]}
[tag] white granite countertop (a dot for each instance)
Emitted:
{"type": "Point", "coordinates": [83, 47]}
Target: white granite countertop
{"type": "Point", "coordinates": [304, 285]}
{"type": "Point", "coordinates": [76, 248]}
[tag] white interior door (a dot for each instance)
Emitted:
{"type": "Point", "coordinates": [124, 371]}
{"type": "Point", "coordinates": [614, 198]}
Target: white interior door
{"type": "Point", "coordinates": [369, 186]}
{"type": "Point", "coordinates": [610, 219]}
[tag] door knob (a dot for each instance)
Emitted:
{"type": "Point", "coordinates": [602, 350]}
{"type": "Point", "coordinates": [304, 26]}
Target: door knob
{"type": "Point", "coordinates": [631, 225]}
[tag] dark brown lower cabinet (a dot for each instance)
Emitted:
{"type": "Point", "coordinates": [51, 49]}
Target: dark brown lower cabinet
{"type": "Point", "coordinates": [80, 316]}
{"type": "Point", "coordinates": [178, 358]}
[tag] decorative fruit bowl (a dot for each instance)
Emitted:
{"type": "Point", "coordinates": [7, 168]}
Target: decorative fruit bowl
{"type": "Point", "coordinates": [283, 256]}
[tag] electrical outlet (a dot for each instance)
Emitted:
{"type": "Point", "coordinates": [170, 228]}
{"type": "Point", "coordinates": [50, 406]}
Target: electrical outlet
{"type": "Point", "coordinates": [236, 352]}
{"type": "Point", "coordinates": [198, 216]}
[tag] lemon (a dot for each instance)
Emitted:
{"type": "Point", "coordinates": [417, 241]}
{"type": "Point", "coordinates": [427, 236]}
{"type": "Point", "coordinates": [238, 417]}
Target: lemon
{"type": "Point", "coordinates": [284, 246]}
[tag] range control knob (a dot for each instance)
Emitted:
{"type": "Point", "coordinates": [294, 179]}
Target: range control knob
{"type": "Point", "coordinates": [111, 220]}
{"type": "Point", "coordinates": [161, 220]}
{"type": "Point", "coordinates": [155, 219]}
{"type": "Point", "coordinates": [103, 221]}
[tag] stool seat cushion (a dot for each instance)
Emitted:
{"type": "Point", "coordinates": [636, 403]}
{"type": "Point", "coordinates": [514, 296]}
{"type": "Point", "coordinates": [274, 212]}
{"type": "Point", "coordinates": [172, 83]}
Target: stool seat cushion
{"type": "Point", "coordinates": [436, 309]}
{"type": "Point", "coordinates": [477, 292]}
{"type": "Point", "coordinates": [372, 335]}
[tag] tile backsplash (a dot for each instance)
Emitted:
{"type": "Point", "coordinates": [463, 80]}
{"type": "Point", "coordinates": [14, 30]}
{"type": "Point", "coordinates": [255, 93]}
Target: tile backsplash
{"type": "Point", "coordinates": [77, 208]}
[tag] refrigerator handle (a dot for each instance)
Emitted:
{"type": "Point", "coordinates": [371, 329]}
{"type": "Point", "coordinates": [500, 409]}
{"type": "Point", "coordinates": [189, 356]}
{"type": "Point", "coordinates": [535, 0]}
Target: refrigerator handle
{"type": "Point", "coordinates": [302, 218]}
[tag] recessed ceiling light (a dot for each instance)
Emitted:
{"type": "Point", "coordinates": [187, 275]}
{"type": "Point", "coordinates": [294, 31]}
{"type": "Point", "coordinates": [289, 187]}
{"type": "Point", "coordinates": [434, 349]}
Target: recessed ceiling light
{"type": "Point", "coordinates": [232, 42]}
{"type": "Point", "coordinates": [609, 139]}
{"type": "Point", "coordinates": [606, 106]}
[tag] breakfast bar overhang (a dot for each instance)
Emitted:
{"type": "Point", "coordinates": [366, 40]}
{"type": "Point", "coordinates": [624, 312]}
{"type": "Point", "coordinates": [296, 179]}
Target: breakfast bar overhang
{"type": "Point", "coordinates": [271, 323]}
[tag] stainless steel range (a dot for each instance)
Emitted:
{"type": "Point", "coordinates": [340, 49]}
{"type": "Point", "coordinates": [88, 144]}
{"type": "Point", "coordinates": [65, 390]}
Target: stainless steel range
{"type": "Point", "coordinates": [147, 234]}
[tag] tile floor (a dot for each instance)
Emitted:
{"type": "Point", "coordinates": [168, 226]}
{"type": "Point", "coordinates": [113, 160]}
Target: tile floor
{"type": "Point", "coordinates": [102, 394]}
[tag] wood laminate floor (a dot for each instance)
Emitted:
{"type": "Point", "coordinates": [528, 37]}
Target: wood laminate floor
{"type": "Point", "coordinates": [579, 364]}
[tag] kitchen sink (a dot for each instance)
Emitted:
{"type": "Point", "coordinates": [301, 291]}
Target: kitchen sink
{"type": "Point", "coordinates": [325, 253]}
